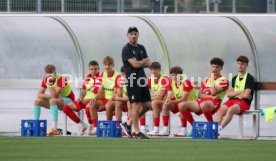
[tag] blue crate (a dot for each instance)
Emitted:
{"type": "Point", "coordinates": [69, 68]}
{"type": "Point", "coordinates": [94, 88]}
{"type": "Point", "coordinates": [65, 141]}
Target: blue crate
{"type": "Point", "coordinates": [33, 128]}
{"type": "Point", "coordinates": [109, 129]}
{"type": "Point", "coordinates": [205, 130]}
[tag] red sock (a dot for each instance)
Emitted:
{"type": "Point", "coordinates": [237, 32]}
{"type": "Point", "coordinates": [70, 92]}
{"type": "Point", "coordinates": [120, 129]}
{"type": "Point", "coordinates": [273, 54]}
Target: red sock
{"type": "Point", "coordinates": [188, 116]}
{"type": "Point", "coordinates": [71, 114]}
{"type": "Point", "coordinates": [183, 122]}
{"type": "Point", "coordinates": [156, 121]}
{"type": "Point", "coordinates": [142, 121]}
{"type": "Point", "coordinates": [87, 111]}
{"type": "Point", "coordinates": [94, 122]}
{"type": "Point", "coordinates": [166, 120]}
{"type": "Point", "coordinates": [208, 116]}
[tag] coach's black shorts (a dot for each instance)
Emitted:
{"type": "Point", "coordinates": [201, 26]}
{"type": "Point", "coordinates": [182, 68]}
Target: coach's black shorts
{"type": "Point", "coordinates": [138, 94]}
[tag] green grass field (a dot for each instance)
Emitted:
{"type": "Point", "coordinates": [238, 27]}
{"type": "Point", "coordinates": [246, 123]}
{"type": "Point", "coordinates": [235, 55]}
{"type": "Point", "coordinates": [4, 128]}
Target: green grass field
{"type": "Point", "coordinates": [90, 148]}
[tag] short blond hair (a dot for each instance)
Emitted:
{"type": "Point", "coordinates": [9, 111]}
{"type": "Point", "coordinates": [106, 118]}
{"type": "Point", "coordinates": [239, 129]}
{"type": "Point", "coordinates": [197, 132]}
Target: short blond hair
{"type": "Point", "coordinates": [108, 60]}
{"type": "Point", "coordinates": [49, 68]}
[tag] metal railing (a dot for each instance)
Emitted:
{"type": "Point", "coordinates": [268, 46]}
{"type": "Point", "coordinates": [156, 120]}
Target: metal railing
{"type": "Point", "coordinates": [137, 6]}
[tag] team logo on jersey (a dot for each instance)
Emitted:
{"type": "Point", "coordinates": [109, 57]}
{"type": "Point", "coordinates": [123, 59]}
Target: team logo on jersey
{"type": "Point", "coordinates": [133, 52]}
{"type": "Point", "coordinates": [132, 97]}
{"type": "Point", "coordinates": [50, 80]}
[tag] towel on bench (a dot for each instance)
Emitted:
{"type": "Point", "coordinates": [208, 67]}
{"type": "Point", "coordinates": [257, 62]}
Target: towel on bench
{"type": "Point", "coordinates": [269, 114]}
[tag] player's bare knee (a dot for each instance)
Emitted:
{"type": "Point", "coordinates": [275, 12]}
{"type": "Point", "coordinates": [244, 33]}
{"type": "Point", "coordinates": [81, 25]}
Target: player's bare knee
{"type": "Point", "coordinates": [166, 108]}
{"type": "Point", "coordinates": [154, 108]}
{"type": "Point", "coordinates": [38, 101]}
{"type": "Point", "coordinates": [118, 107]}
{"type": "Point", "coordinates": [204, 108]}
{"type": "Point", "coordinates": [53, 101]}
{"type": "Point", "coordinates": [93, 107]}
{"type": "Point", "coordinates": [118, 103]}
{"type": "Point", "coordinates": [223, 109]}
{"type": "Point", "coordinates": [154, 104]}
{"type": "Point", "coordinates": [182, 106]}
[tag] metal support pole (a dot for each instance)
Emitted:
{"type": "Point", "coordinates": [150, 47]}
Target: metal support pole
{"type": "Point", "coordinates": [267, 6]}
{"type": "Point", "coordinates": [62, 6]}
{"type": "Point", "coordinates": [161, 6]}
{"type": "Point", "coordinates": [207, 6]}
{"type": "Point", "coordinates": [175, 6]}
{"type": "Point", "coordinates": [240, 126]}
{"type": "Point", "coordinates": [255, 125]}
{"type": "Point", "coordinates": [165, 9]}
{"type": "Point", "coordinates": [100, 6]}
{"type": "Point", "coordinates": [122, 6]}
{"type": "Point", "coordinates": [39, 4]}
{"type": "Point", "coordinates": [216, 5]}
{"type": "Point", "coordinates": [270, 6]}
{"type": "Point", "coordinates": [65, 125]}
{"type": "Point", "coordinates": [118, 6]}
{"type": "Point", "coordinates": [273, 6]}
{"type": "Point", "coordinates": [8, 6]}
{"type": "Point", "coordinates": [234, 6]}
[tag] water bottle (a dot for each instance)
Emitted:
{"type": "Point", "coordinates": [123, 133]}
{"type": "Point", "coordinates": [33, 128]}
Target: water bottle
{"type": "Point", "coordinates": [29, 129]}
{"type": "Point", "coordinates": [198, 134]}
{"type": "Point", "coordinates": [25, 125]}
{"type": "Point", "coordinates": [204, 134]}
{"type": "Point", "coordinates": [108, 126]}
{"type": "Point", "coordinates": [101, 125]}
{"type": "Point", "coordinates": [41, 129]}
{"type": "Point", "coordinates": [42, 124]}
{"type": "Point", "coordinates": [103, 133]}
{"type": "Point", "coordinates": [107, 133]}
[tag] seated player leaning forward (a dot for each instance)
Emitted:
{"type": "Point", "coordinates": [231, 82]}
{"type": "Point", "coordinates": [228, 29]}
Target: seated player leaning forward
{"type": "Point", "coordinates": [212, 92]}
{"type": "Point", "coordinates": [180, 90]}
{"type": "Point", "coordinates": [60, 94]}
{"type": "Point", "coordinates": [90, 88]}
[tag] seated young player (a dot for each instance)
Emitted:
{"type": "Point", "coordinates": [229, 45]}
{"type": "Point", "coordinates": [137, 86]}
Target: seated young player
{"type": "Point", "coordinates": [240, 94]}
{"type": "Point", "coordinates": [179, 90]}
{"type": "Point", "coordinates": [157, 84]}
{"type": "Point", "coordinates": [60, 94]}
{"type": "Point", "coordinates": [104, 100]}
{"type": "Point", "coordinates": [90, 88]}
{"type": "Point", "coordinates": [211, 94]}
{"type": "Point", "coordinates": [121, 98]}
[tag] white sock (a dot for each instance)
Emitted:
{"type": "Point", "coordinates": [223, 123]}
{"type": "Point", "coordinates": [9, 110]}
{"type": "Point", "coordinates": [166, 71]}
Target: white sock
{"type": "Point", "coordinates": [220, 128]}
{"type": "Point", "coordinates": [155, 128]}
{"type": "Point", "coordinates": [184, 129]}
{"type": "Point", "coordinates": [81, 124]}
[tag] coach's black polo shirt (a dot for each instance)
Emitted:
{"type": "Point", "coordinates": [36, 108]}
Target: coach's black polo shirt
{"type": "Point", "coordinates": [139, 52]}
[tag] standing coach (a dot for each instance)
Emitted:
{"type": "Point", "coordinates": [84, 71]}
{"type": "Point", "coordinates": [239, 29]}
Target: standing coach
{"type": "Point", "coordinates": [135, 59]}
